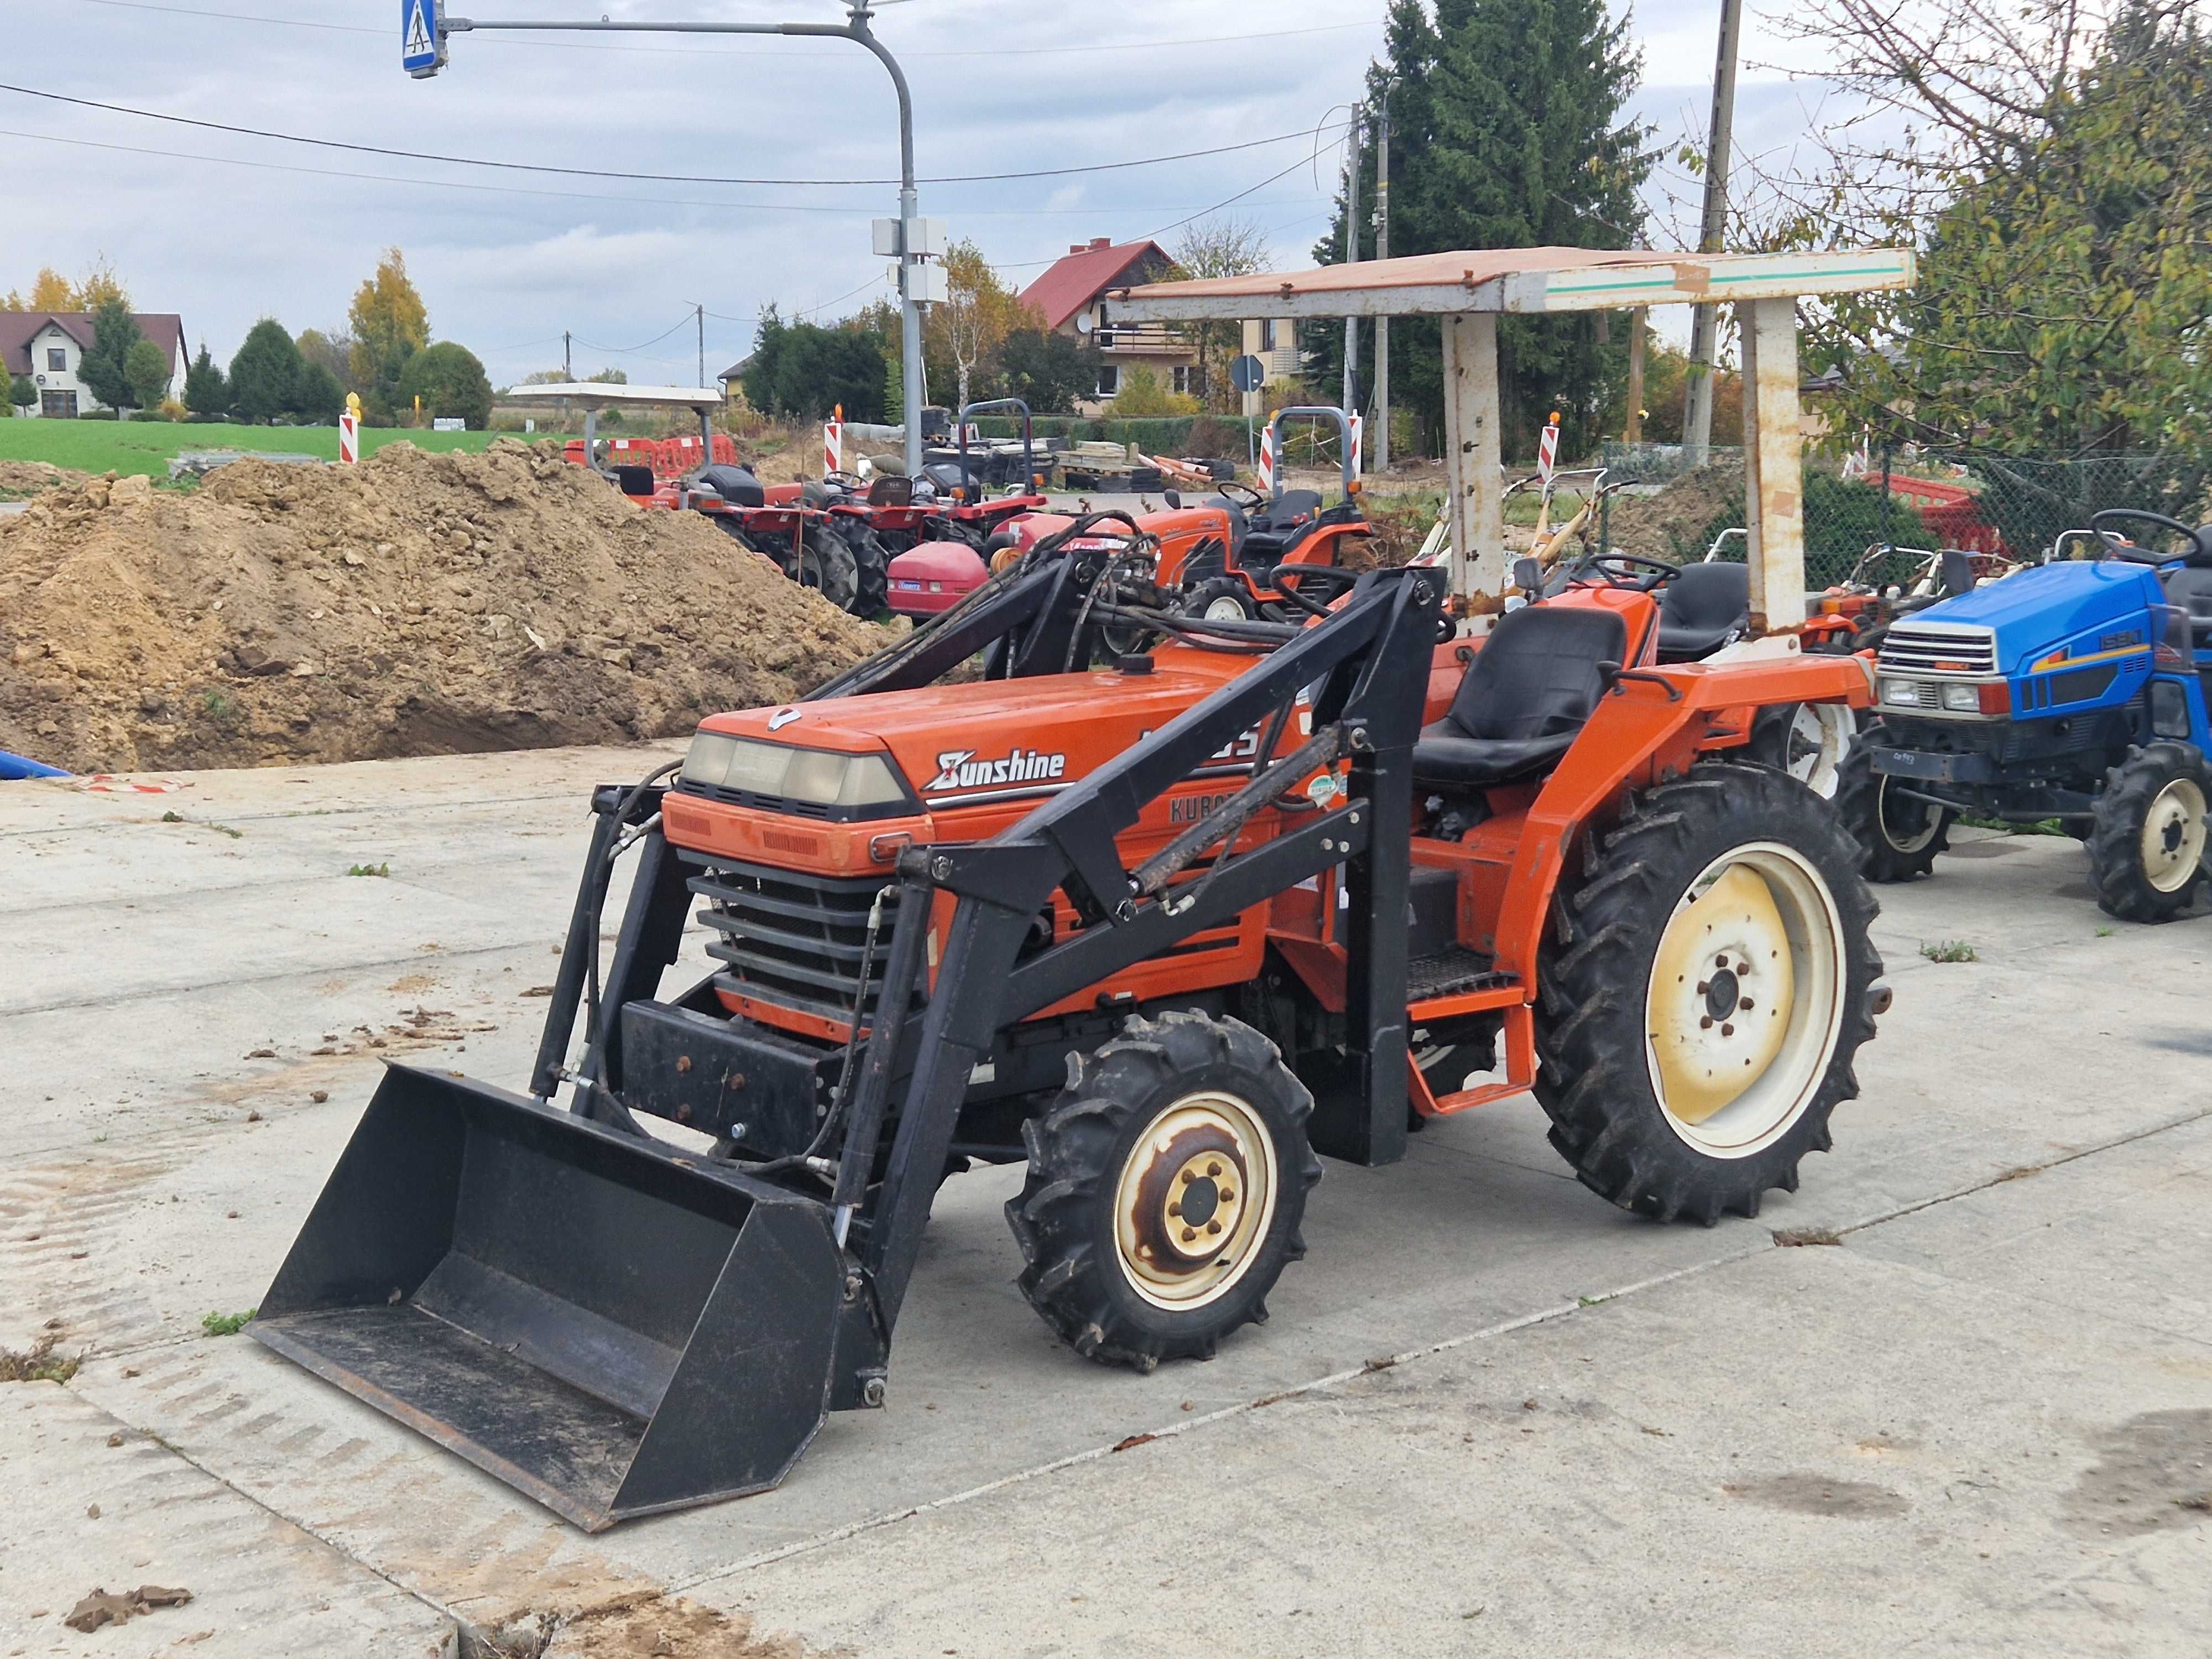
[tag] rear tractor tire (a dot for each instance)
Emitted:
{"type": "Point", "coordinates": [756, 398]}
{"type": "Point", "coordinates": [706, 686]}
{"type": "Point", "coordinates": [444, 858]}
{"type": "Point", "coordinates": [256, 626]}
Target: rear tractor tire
{"type": "Point", "coordinates": [871, 564]}
{"type": "Point", "coordinates": [1166, 1186]}
{"type": "Point", "coordinates": [1703, 993]}
{"type": "Point", "coordinates": [1899, 837]}
{"type": "Point", "coordinates": [826, 564]}
{"type": "Point", "coordinates": [2147, 850]}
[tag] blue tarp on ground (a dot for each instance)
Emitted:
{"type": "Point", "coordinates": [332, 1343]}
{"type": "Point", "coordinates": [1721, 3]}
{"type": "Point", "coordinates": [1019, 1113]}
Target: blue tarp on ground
{"type": "Point", "coordinates": [13, 767]}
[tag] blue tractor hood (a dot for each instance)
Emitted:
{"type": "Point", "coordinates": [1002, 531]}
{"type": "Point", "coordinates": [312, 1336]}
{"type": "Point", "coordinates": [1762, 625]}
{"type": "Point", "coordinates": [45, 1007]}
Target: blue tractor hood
{"type": "Point", "coordinates": [2039, 609]}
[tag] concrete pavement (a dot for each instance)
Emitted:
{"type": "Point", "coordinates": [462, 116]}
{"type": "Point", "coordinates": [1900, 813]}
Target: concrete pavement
{"type": "Point", "coordinates": [1987, 1406]}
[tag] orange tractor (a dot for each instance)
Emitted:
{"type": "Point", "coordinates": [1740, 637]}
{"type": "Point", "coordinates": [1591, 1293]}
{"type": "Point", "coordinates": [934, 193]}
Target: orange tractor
{"type": "Point", "coordinates": [1161, 926]}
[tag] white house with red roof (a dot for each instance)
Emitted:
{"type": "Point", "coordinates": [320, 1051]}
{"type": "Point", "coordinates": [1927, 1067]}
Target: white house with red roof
{"type": "Point", "coordinates": [49, 346]}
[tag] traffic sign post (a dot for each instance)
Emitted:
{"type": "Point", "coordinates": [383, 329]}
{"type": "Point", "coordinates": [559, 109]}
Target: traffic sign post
{"type": "Point", "coordinates": [422, 37]}
{"type": "Point", "coordinates": [424, 28]}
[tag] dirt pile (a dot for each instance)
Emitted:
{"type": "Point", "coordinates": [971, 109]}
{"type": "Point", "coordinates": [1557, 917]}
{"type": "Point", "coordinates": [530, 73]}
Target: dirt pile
{"type": "Point", "coordinates": [414, 605]}
{"type": "Point", "coordinates": [1676, 522]}
{"type": "Point", "coordinates": [21, 479]}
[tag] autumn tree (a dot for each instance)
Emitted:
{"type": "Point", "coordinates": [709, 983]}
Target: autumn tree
{"type": "Point", "coordinates": [967, 330]}
{"type": "Point", "coordinates": [1211, 248]}
{"type": "Point", "coordinates": [51, 291]}
{"type": "Point", "coordinates": [389, 324]}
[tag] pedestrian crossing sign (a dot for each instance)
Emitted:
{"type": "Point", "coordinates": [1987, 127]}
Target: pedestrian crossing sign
{"type": "Point", "coordinates": [421, 38]}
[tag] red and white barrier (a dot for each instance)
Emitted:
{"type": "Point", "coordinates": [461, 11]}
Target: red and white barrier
{"type": "Point", "coordinates": [350, 431]}
{"type": "Point", "coordinates": [1268, 461]}
{"type": "Point", "coordinates": [1359, 446]}
{"type": "Point", "coordinates": [1547, 450]}
{"type": "Point", "coordinates": [833, 446]}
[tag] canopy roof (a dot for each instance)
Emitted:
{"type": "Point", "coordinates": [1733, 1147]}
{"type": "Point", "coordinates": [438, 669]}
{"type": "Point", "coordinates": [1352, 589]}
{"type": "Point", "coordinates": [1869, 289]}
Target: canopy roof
{"type": "Point", "coordinates": [600, 394]}
{"type": "Point", "coordinates": [1525, 279]}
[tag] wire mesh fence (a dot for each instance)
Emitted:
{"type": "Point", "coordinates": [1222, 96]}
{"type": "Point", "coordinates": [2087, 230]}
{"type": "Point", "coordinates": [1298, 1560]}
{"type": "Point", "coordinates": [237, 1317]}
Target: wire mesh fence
{"type": "Point", "coordinates": [1908, 498]}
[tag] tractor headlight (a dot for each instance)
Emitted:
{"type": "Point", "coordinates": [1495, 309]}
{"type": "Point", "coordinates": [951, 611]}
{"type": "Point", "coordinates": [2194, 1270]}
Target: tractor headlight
{"type": "Point", "coordinates": [1962, 699]}
{"type": "Point", "coordinates": [815, 776]}
{"type": "Point", "coordinates": [1902, 694]}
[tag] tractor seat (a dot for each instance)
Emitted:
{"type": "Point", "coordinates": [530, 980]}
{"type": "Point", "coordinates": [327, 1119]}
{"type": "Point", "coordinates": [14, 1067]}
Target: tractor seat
{"type": "Point", "coordinates": [1240, 525]}
{"type": "Point", "coordinates": [735, 485]}
{"type": "Point", "coordinates": [1523, 700]}
{"type": "Point", "coordinates": [891, 490]}
{"type": "Point", "coordinates": [1702, 610]}
{"type": "Point", "coordinates": [2190, 587]}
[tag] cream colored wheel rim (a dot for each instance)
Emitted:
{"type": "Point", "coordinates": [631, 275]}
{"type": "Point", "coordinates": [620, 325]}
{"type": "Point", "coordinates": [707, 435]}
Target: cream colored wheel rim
{"type": "Point", "coordinates": [1194, 1201]}
{"type": "Point", "coordinates": [2174, 836]}
{"type": "Point", "coordinates": [1820, 733]}
{"type": "Point", "coordinates": [1931, 824]}
{"type": "Point", "coordinates": [1746, 1001]}
{"type": "Point", "coordinates": [1224, 609]}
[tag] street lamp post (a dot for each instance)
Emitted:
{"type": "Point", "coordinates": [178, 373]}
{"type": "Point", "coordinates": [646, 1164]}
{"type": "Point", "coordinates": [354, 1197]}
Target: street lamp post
{"type": "Point", "coordinates": [424, 28]}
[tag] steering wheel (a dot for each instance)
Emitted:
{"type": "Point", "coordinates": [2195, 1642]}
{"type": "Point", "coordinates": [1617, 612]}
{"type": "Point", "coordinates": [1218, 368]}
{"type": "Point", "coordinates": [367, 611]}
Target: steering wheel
{"type": "Point", "coordinates": [842, 480]}
{"type": "Point", "coordinates": [2133, 554]}
{"type": "Point", "coordinates": [1633, 570]}
{"type": "Point", "coordinates": [1241, 495]}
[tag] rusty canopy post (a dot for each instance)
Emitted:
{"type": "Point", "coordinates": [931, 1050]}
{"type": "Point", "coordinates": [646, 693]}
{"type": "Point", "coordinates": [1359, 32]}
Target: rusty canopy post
{"type": "Point", "coordinates": [1469, 290]}
{"type": "Point", "coordinates": [1774, 449]}
{"type": "Point", "coordinates": [1474, 500]}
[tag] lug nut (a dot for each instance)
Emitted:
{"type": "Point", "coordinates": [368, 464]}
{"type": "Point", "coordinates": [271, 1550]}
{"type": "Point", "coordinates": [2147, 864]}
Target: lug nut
{"type": "Point", "coordinates": [1704, 986]}
{"type": "Point", "coordinates": [1745, 1003]}
{"type": "Point", "coordinates": [1187, 1177]}
{"type": "Point", "coordinates": [1728, 1030]}
{"type": "Point", "coordinates": [1228, 1197]}
{"type": "Point", "coordinates": [1176, 1209]}
{"type": "Point", "coordinates": [1189, 1233]}
{"type": "Point", "coordinates": [1213, 1227]}
{"type": "Point", "coordinates": [1706, 1023]}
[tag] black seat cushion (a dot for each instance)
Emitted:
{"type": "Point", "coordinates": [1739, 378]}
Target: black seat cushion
{"type": "Point", "coordinates": [2190, 587]}
{"type": "Point", "coordinates": [1526, 694]}
{"type": "Point", "coordinates": [1701, 609]}
{"type": "Point", "coordinates": [735, 485]}
{"type": "Point", "coordinates": [891, 490]}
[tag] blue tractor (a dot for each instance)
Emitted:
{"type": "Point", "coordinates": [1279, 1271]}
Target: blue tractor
{"type": "Point", "coordinates": [2076, 691]}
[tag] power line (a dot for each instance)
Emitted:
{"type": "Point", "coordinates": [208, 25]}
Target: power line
{"type": "Point", "coordinates": [519, 190]}
{"type": "Point", "coordinates": [627, 178]}
{"type": "Point", "coordinates": [632, 351]}
{"type": "Point", "coordinates": [749, 51]}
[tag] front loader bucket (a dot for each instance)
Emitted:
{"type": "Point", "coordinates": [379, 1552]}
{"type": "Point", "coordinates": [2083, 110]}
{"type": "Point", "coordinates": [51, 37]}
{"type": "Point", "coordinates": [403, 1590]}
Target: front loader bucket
{"type": "Point", "coordinates": [604, 1323]}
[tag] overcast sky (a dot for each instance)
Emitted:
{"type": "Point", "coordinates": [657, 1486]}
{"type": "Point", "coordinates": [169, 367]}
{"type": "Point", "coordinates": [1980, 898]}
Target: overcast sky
{"type": "Point", "coordinates": [507, 261]}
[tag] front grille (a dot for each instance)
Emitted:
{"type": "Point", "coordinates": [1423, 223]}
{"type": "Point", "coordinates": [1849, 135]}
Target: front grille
{"type": "Point", "coordinates": [759, 803]}
{"type": "Point", "coordinates": [1957, 649]}
{"type": "Point", "coordinates": [793, 939]}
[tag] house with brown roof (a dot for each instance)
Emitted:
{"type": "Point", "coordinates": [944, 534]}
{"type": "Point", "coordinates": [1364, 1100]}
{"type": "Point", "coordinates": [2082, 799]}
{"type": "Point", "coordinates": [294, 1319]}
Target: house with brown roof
{"type": "Point", "coordinates": [49, 346]}
{"type": "Point", "coordinates": [1067, 297]}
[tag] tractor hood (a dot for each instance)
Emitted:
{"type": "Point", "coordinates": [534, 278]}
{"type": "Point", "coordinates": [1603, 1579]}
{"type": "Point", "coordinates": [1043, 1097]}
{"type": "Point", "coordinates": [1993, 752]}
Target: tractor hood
{"type": "Point", "coordinates": [959, 745]}
{"type": "Point", "coordinates": [2037, 609]}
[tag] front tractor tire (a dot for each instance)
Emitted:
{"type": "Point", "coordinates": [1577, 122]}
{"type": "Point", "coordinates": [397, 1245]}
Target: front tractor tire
{"type": "Point", "coordinates": [1707, 985]}
{"type": "Point", "coordinates": [1899, 837]}
{"type": "Point", "coordinates": [1166, 1186]}
{"type": "Point", "coordinates": [871, 564]}
{"type": "Point", "coordinates": [2147, 850]}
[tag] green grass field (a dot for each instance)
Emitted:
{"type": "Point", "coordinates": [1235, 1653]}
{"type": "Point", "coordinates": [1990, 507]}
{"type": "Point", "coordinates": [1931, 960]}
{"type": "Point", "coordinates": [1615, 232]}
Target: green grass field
{"type": "Point", "coordinates": [148, 447]}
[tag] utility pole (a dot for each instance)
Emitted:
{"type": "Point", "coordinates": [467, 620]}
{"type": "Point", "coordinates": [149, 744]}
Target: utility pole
{"type": "Point", "coordinates": [1351, 258]}
{"type": "Point", "coordinates": [1382, 444]}
{"type": "Point", "coordinates": [703, 346]}
{"type": "Point", "coordinates": [568, 355]}
{"type": "Point", "coordinates": [860, 16]}
{"type": "Point", "coordinates": [1705, 331]}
